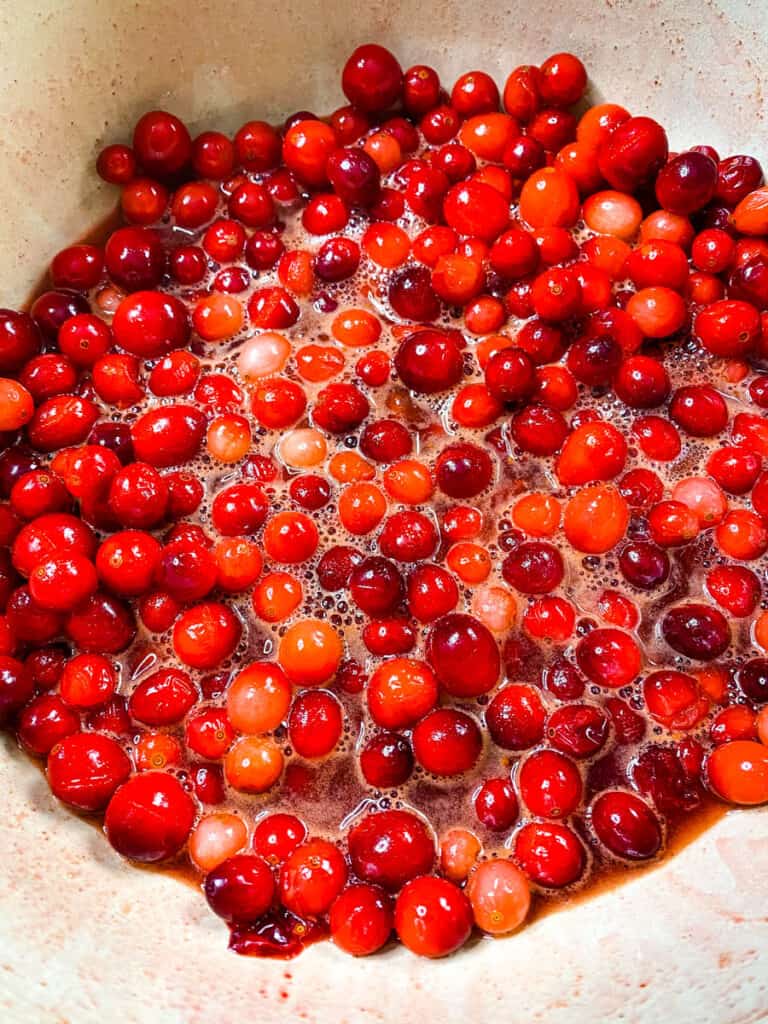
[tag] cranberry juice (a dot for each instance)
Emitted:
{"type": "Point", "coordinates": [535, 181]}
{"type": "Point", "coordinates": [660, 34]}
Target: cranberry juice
{"type": "Point", "coordinates": [385, 520]}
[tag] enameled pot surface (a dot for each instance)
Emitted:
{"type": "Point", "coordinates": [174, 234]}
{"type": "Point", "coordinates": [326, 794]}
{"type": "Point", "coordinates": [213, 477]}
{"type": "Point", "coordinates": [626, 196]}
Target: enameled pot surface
{"type": "Point", "coordinates": [85, 937]}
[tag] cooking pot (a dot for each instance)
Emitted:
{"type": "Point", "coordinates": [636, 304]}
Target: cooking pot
{"type": "Point", "coordinates": [83, 936]}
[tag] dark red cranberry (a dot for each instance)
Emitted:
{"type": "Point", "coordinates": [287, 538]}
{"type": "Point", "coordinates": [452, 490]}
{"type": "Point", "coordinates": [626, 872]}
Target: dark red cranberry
{"type": "Point", "coordinates": [446, 742]}
{"type": "Point", "coordinates": [687, 182]}
{"type": "Point", "coordinates": [578, 729]}
{"type": "Point", "coordinates": [263, 250]}
{"type": "Point", "coordinates": [375, 585]}
{"type": "Point", "coordinates": [386, 761]}
{"type": "Point", "coordinates": [421, 89]}
{"type": "Point", "coordinates": [515, 717]}
{"type": "Point", "coordinates": [134, 258]}
{"type": "Point", "coordinates": [697, 631]}
{"type": "Point", "coordinates": [626, 825]}
{"type": "Point", "coordinates": [737, 176]}
{"type": "Point", "coordinates": [510, 375]}
{"type": "Point", "coordinates": [658, 773]}
{"type": "Point", "coordinates": [386, 440]}
{"type": "Point", "coordinates": [642, 382]}
{"type": "Point", "coordinates": [533, 567]}
{"type": "Point", "coordinates": [699, 409]}
{"type": "Point", "coordinates": [464, 655]}
{"type": "Point", "coordinates": [641, 488]}
{"type": "Point", "coordinates": [240, 889]}
{"type": "Point", "coordinates": [429, 361]}
{"type": "Point", "coordinates": [150, 817]}
{"type": "Point", "coordinates": [389, 636]}
{"type": "Point", "coordinates": [411, 294]}
{"type": "Point", "coordinates": [16, 685]}
{"type": "Point", "coordinates": [336, 567]}
{"type": "Point", "coordinates": [752, 679]}
{"type": "Point", "coordinates": [463, 470]}
{"type": "Point", "coordinates": [102, 623]}
{"type": "Point", "coordinates": [116, 164]}
{"type": "Point", "coordinates": [389, 848]}
{"type": "Point", "coordinates": [496, 805]}
{"type": "Point", "coordinates": [372, 79]}
{"type": "Point", "coordinates": [44, 722]}
{"type": "Point", "coordinates": [539, 430]}
{"type": "Point", "coordinates": [355, 177]}
{"type": "Point", "coordinates": [310, 491]}
{"type": "Point", "coordinates": [340, 408]}
{"type": "Point", "coordinates": [629, 726]}
{"type": "Point", "coordinates": [644, 565]}
{"type": "Point", "coordinates": [315, 723]}
{"type": "Point", "coordinates": [51, 309]}
{"type": "Point", "coordinates": [337, 259]}
{"type": "Point", "coordinates": [19, 340]}
{"type": "Point", "coordinates": [523, 156]}
{"type": "Point", "coordinates": [161, 143]}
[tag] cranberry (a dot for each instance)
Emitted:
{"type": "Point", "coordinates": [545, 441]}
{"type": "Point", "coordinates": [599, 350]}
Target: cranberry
{"type": "Point", "coordinates": [737, 176]}
{"type": "Point", "coordinates": [168, 435]}
{"type": "Point", "coordinates": [361, 919]}
{"type": "Point", "coordinates": [16, 685]}
{"type": "Point", "coordinates": [412, 297]}
{"type": "Point", "coordinates": [102, 623]}
{"type": "Point", "coordinates": [44, 722]}
{"type": "Point", "coordinates": [134, 258]}
{"type": "Point", "coordinates": [631, 154]}
{"type": "Point", "coordinates": [421, 89]}
{"type": "Point", "coordinates": [579, 730]}
{"type": "Point", "coordinates": [85, 769]}
{"type": "Point", "coordinates": [697, 631]}
{"type": "Point", "coordinates": [533, 567]}
{"type": "Point", "coordinates": [433, 917]}
{"type": "Point", "coordinates": [752, 680]}
{"type": "Point", "coordinates": [277, 836]}
{"type": "Point", "coordinates": [408, 537]}
{"type": "Point", "coordinates": [163, 698]}
{"type": "Point", "coordinates": [19, 340]}
{"type": "Point", "coordinates": [687, 182]}
{"type": "Point", "coordinates": [626, 825]}
{"type": "Point", "coordinates": [550, 784]}
{"type": "Point", "coordinates": [240, 889]}
{"type": "Point", "coordinates": [149, 817]}
{"type": "Point", "coordinates": [515, 718]}
{"type": "Point", "coordinates": [496, 805]}
{"type": "Point", "coordinates": [116, 164]}
{"type": "Point", "coordinates": [464, 655]}
{"type": "Point", "coordinates": [509, 375]}
{"type": "Point", "coordinates": [376, 585]}
{"type": "Point", "coordinates": [51, 309]}
{"type": "Point", "coordinates": [432, 593]}
{"type": "Point", "coordinates": [476, 209]}
{"type": "Point", "coordinates": [385, 440]}
{"type": "Point", "coordinates": [446, 742]}
{"type": "Point", "coordinates": [429, 361]}
{"type": "Point", "coordinates": [391, 847]}
{"type": "Point", "coordinates": [644, 565]}
{"type": "Point", "coordinates": [699, 410]}
{"type": "Point", "coordinates": [463, 470]}
{"type": "Point", "coordinates": [312, 877]}
{"type": "Point", "coordinates": [372, 79]}
{"type": "Point", "coordinates": [336, 567]}
{"type": "Point", "coordinates": [642, 382]}
{"type": "Point", "coordinates": [355, 177]}
{"type": "Point", "coordinates": [315, 724]}
{"type": "Point", "coordinates": [550, 854]}
{"type": "Point", "coordinates": [138, 496]}
{"type": "Point", "coordinates": [162, 144]}
{"type": "Point", "coordinates": [386, 761]}
{"type": "Point", "coordinates": [658, 773]}
{"type": "Point", "coordinates": [609, 657]}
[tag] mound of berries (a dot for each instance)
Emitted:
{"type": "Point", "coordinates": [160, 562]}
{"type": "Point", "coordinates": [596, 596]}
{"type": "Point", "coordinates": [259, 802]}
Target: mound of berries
{"type": "Point", "coordinates": [385, 515]}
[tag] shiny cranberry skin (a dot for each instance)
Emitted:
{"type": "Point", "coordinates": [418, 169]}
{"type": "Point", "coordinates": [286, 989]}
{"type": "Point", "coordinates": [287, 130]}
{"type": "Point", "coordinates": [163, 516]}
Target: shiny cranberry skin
{"type": "Point", "coordinates": [626, 825]}
{"type": "Point", "coordinates": [432, 592]}
{"type": "Point", "coordinates": [579, 730]}
{"type": "Point", "coordinates": [162, 144]}
{"type": "Point", "coordinates": [337, 259]}
{"type": "Point", "coordinates": [735, 588]}
{"type": "Point", "coordinates": [496, 805]}
{"type": "Point", "coordinates": [687, 183]}
{"type": "Point", "coordinates": [315, 723]}
{"type": "Point", "coordinates": [550, 854]}
{"type": "Point", "coordinates": [533, 567]}
{"type": "Point", "coordinates": [632, 153]}
{"type": "Point", "coordinates": [389, 848]}
{"type": "Point", "coordinates": [446, 742]}
{"type": "Point", "coordinates": [116, 164]}
{"type": "Point", "coordinates": [134, 258]}
{"type": "Point", "coordinates": [263, 249]}
{"type": "Point", "coordinates": [375, 585]}
{"type": "Point", "coordinates": [355, 177]}
{"type": "Point", "coordinates": [699, 410]}
{"type": "Point", "coordinates": [240, 889]}
{"type": "Point", "coordinates": [277, 836]}
{"type": "Point", "coordinates": [19, 340]}
{"type": "Point", "coordinates": [78, 267]}
{"type": "Point", "coordinates": [386, 440]}
{"type": "Point", "coordinates": [475, 209]}
{"type": "Point", "coordinates": [163, 698]}
{"type": "Point", "coordinates": [336, 567]}
{"type": "Point", "coordinates": [429, 361]}
{"type": "Point", "coordinates": [515, 718]}
{"type": "Point", "coordinates": [433, 917]}
{"type": "Point", "coordinates": [737, 176]}
{"type": "Point", "coordinates": [421, 89]}
{"type": "Point", "coordinates": [641, 488]}
{"type": "Point", "coordinates": [168, 435]}
{"type": "Point", "coordinates": [389, 636]}
{"type": "Point", "coordinates": [312, 877]}
{"type": "Point", "coordinates": [510, 375]}
{"type": "Point", "coordinates": [340, 408]}
{"type": "Point", "coordinates": [411, 295]}
{"type": "Point", "coordinates": [463, 470]}
{"type": "Point", "coordinates": [550, 784]}
{"type": "Point", "coordinates": [642, 382]}
{"type": "Point", "coordinates": [752, 679]}
{"type": "Point", "coordinates": [408, 537]}
{"type": "Point", "coordinates": [150, 817]}
{"type": "Point", "coordinates": [310, 491]}
{"type": "Point", "coordinates": [16, 685]}
{"type": "Point", "coordinates": [539, 430]}
{"type": "Point", "coordinates": [386, 761]}
{"type": "Point", "coordinates": [44, 722]}
{"type": "Point", "coordinates": [594, 361]}
{"type": "Point", "coordinates": [51, 309]}
{"type": "Point", "coordinates": [30, 623]}
{"type": "Point", "coordinates": [523, 156]}
{"type": "Point", "coordinates": [609, 657]}
{"type": "Point", "coordinates": [464, 655]}
{"type": "Point", "coordinates": [361, 919]}
{"type": "Point", "coordinates": [372, 79]}
{"type": "Point", "coordinates": [696, 630]}
{"type": "Point", "coordinates": [644, 565]}
{"type": "Point", "coordinates": [102, 623]}
{"type": "Point", "coordinates": [85, 769]}
{"type": "Point", "coordinates": [748, 282]}
{"type": "Point", "coordinates": [150, 324]}
{"type": "Point", "coordinates": [48, 536]}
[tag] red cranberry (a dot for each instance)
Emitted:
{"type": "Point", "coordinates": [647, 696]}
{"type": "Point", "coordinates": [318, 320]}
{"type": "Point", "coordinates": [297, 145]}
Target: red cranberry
{"type": "Point", "coordinates": [277, 836]}
{"type": "Point", "coordinates": [533, 567]}
{"type": "Point", "coordinates": [150, 817]}
{"type": "Point", "coordinates": [642, 382]}
{"type": "Point", "coordinates": [699, 410]}
{"type": "Point", "coordinates": [550, 784]}
{"type": "Point", "coordinates": [515, 718]}
{"type": "Point", "coordinates": [687, 183]}
{"type": "Point", "coordinates": [44, 722]}
{"type": "Point", "coordinates": [550, 854]}
{"type": "Point", "coordinates": [658, 773]}
{"type": "Point", "coordinates": [429, 361]}
{"type": "Point", "coordinates": [737, 176]}
{"type": "Point", "coordinates": [579, 729]}
{"type": "Point", "coordinates": [19, 340]}
{"type": "Point", "coordinates": [539, 430]}
{"type": "Point", "coordinates": [644, 565]}
{"type": "Point", "coordinates": [310, 491]}
{"type": "Point", "coordinates": [102, 623]}
{"type": "Point", "coordinates": [376, 585]}
{"type": "Point", "coordinates": [240, 889]}
{"type": "Point", "coordinates": [134, 258]}
{"type": "Point", "coordinates": [626, 825]}
{"type": "Point", "coordinates": [16, 685]}
{"type": "Point", "coordinates": [169, 435]}
{"type": "Point", "coordinates": [446, 742]}
{"type": "Point", "coordinates": [464, 655]}
{"type": "Point", "coordinates": [163, 698]}
{"type": "Point", "coordinates": [697, 631]}
{"type": "Point", "coordinates": [336, 567]}
{"type": "Point", "coordinates": [311, 878]}
{"type": "Point", "coordinates": [412, 297]}
{"type": "Point", "coordinates": [408, 537]}
{"type": "Point", "coordinates": [752, 679]}
{"type": "Point", "coordinates": [432, 592]}
{"type": "Point", "coordinates": [372, 79]}
{"type": "Point", "coordinates": [386, 761]}
{"type": "Point", "coordinates": [116, 164]}
{"type": "Point", "coordinates": [421, 89]}
{"type": "Point", "coordinates": [389, 636]}
{"type": "Point", "coordinates": [85, 769]}
{"type": "Point", "coordinates": [389, 848]}
{"type": "Point", "coordinates": [476, 209]}
{"type": "Point", "coordinates": [162, 144]}
{"type": "Point", "coordinates": [433, 917]}
{"type": "Point", "coordinates": [609, 657]}
{"type": "Point", "coordinates": [496, 805]}
{"type": "Point", "coordinates": [315, 724]}
{"type": "Point", "coordinates": [361, 919]}
{"type": "Point", "coordinates": [735, 588]}
{"type": "Point", "coordinates": [51, 309]}
{"type": "Point", "coordinates": [510, 375]}
{"type": "Point", "coordinates": [632, 153]}
{"type": "Point", "coordinates": [354, 176]}
{"type": "Point", "coordinates": [463, 470]}
{"type": "Point", "coordinates": [150, 324]}
{"type": "Point", "coordinates": [48, 536]}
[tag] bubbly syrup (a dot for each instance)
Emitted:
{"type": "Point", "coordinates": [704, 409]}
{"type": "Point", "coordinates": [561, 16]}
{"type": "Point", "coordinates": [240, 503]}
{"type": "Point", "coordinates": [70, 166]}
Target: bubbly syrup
{"type": "Point", "coordinates": [328, 795]}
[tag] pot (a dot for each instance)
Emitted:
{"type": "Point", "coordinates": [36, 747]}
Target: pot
{"type": "Point", "coordinates": [85, 937]}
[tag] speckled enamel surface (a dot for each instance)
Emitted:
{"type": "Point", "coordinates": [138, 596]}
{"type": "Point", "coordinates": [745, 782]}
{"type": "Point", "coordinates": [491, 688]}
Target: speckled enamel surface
{"type": "Point", "coordinates": [84, 938]}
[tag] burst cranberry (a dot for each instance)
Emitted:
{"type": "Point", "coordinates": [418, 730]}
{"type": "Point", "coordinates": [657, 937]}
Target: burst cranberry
{"type": "Point", "coordinates": [85, 769]}
{"type": "Point", "coordinates": [579, 730]}
{"type": "Point", "coordinates": [626, 825]}
{"type": "Point", "coordinates": [737, 176]}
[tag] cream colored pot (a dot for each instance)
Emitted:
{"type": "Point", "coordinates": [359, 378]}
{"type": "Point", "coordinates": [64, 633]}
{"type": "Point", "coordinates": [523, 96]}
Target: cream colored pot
{"type": "Point", "coordinates": [83, 937]}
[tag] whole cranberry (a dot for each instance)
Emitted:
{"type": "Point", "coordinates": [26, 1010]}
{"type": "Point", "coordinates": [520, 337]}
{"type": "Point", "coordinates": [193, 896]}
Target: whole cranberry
{"type": "Point", "coordinates": [626, 825]}
{"type": "Point", "coordinates": [44, 722]}
{"type": "Point", "coordinates": [168, 435]}
{"type": "Point", "coordinates": [149, 817]}
{"type": "Point", "coordinates": [386, 761]}
{"type": "Point", "coordinates": [386, 440]}
{"type": "Point", "coordinates": [550, 854]}
{"type": "Point", "coordinates": [464, 655]}
{"type": "Point", "coordinates": [578, 729]}
{"type": "Point", "coordinates": [631, 154]}
{"type": "Point", "coordinates": [752, 679]}
{"type": "Point", "coordinates": [355, 177]}
{"type": "Point", "coordinates": [389, 848]}
{"type": "Point", "coordinates": [644, 565]}
{"type": "Point", "coordinates": [737, 176]}
{"type": "Point", "coordinates": [515, 717]}
{"type": "Point", "coordinates": [429, 361]}
{"type": "Point", "coordinates": [696, 630]}
{"type": "Point", "coordinates": [463, 470]}
{"type": "Point", "coordinates": [19, 340]}
{"type": "Point", "coordinates": [433, 917]}
{"type": "Point", "coordinates": [16, 686]}
{"type": "Point", "coordinates": [372, 79]}
{"type": "Point", "coordinates": [687, 183]}
{"type": "Point", "coordinates": [412, 297]}
{"type": "Point", "coordinates": [336, 567]}
{"type": "Point", "coordinates": [134, 258]}
{"type": "Point", "coordinates": [86, 768]}
{"type": "Point", "coordinates": [361, 919]}
{"type": "Point", "coordinates": [162, 144]}
{"type": "Point", "coordinates": [446, 742]}
{"type": "Point", "coordinates": [240, 889]}
{"type": "Point", "coordinates": [533, 567]}
{"type": "Point", "coordinates": [375, 585]}
{"type": "Point", "coordinates": [510, 375]}
{"type": "Point", "coordinates": [496, 805]}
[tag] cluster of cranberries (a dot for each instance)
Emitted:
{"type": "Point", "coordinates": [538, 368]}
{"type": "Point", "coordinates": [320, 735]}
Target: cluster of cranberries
{"type": "Point", "coordinates": [384, 518]}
